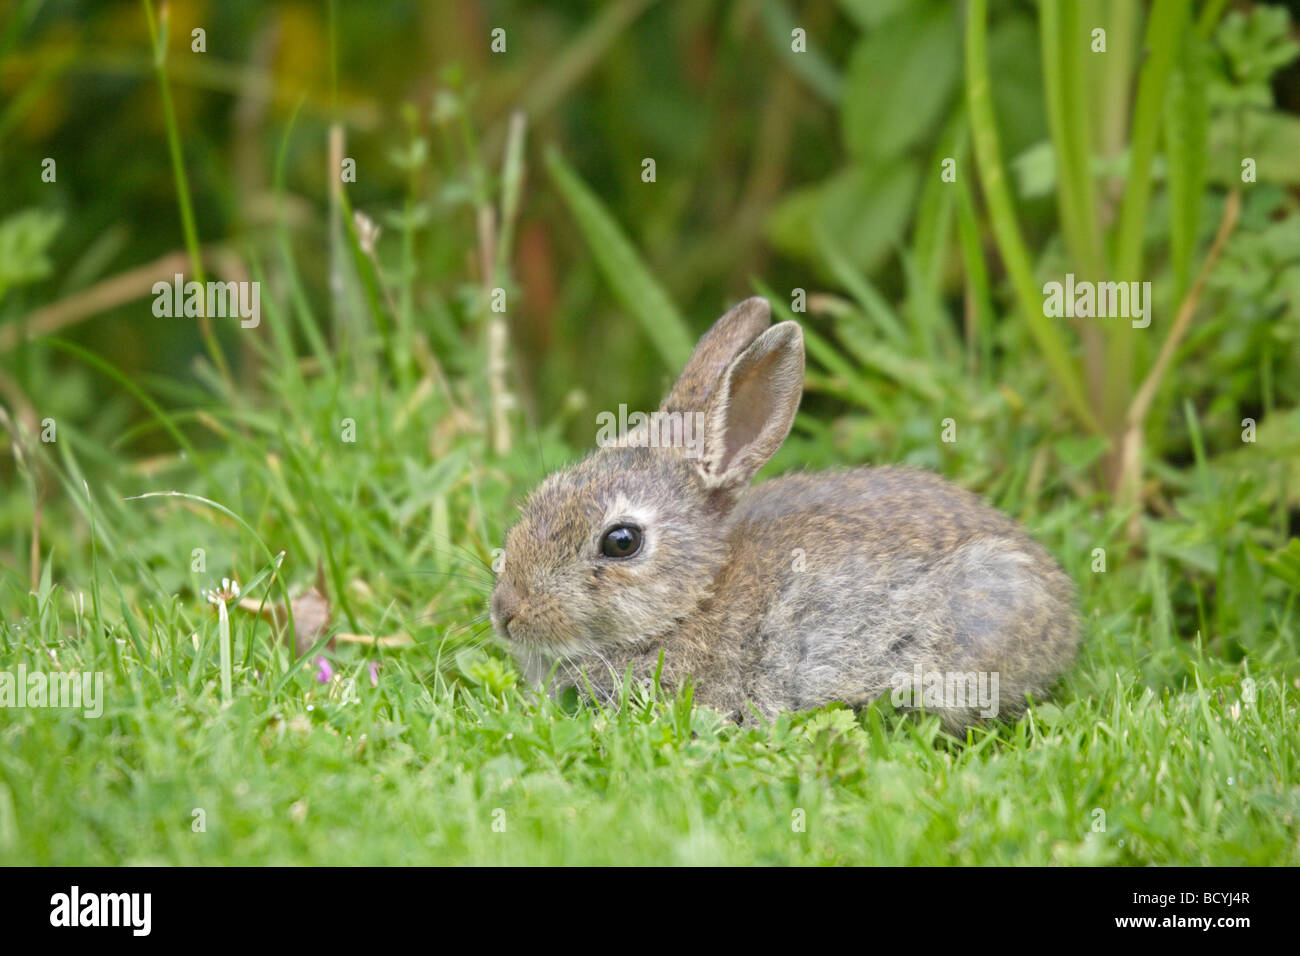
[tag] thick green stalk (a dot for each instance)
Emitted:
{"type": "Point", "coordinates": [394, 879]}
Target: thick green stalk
{"type": "Point", "coordinates": [1166, 21]}
{"type": "Point", "coordinates": [1064, 50]}
{"type": "Point", "coordinates": [979, 306]}
{"type": "Point", "coordinates": [1003, 217]}
{"type": "Point", "coordinates": [1209, 18]}
{"type": "Point", "coordinates": [1067, 112]}
{"type": "Point", "coordinates": [1078, 108]}
{"type": "Point", "coordinates": [1111, 76]}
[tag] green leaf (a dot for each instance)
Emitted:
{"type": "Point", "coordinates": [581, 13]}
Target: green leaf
{"type": "Point", "coordinates": [862, 212]}
{"type": "Point", "coordinates": [25, 239]}
{"type": "Point", "coordinates": [899, 82]}
{"type": "Point", "coordinates": [1035, 171]}
{"type": "Point", "coordinates": [811, 64]}
{"type": "Point", "coordinates": [633, 285]}
{"type": "Point", "coordinates": [873, 304]}
{"type": "Point", "coordinates": [878, 356]}
{"type": "Point", "coordinates": [1270, 138]}
{"type": "Point", "coordinates": [869, 14]}
{"type": "Point", "coordinates": [1254, 47]}
{"type": "Point", "coordinates": [1283, 563]}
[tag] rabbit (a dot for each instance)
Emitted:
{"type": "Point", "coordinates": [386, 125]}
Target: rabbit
{"type": "Point", "coordinates": [801, 591]}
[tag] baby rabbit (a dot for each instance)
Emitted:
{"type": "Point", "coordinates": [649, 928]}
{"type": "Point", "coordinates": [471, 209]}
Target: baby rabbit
{"type": "Point", "coordinates": [806, 589]}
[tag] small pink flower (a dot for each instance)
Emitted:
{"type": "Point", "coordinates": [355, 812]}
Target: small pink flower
{"type": "Point", "coordinates": [324, 673]}
{"type": "Point", "coordinates": [374, 674]}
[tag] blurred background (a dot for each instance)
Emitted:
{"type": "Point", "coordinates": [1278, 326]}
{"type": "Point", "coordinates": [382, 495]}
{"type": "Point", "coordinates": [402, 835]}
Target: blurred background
{"type": "Point", "coordinates": [752, 144]}
{"type": "Point", "coordinates": [711, 91]}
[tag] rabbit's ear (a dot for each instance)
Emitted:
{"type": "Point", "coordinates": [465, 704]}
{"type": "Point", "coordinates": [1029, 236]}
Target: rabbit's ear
{"type": "Point", "coordinates": [751, 410]}
{"type": "Point", "coordinates": [719, 347]}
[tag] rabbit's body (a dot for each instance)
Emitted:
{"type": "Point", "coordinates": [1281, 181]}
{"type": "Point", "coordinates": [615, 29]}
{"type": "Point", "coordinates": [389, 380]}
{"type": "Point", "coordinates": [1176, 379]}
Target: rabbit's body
{"type": "Point", "coordinates": [917, 573]}
{"type": "Point", "coordinates": [803, 590]}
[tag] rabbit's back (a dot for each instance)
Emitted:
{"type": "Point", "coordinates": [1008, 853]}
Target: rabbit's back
{"type": "Point", "coordinates": [878, 573]}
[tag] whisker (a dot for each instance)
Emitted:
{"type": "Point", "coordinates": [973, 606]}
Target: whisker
{"type": "Point", "coordinates": [475, 579]}
{"type": "Point", "coordinates": [433, 618]}
{"type": "Point", "coordinates": [464, 552]}
{"type": "Point", "coordinates": [467, 626]}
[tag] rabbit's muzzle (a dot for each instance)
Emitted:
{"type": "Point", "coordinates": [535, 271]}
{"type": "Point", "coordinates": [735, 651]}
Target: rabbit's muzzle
{"type": "Point", "coordinates": [530, 618]}
{"type": "Point", "coordinates": [504, 607]}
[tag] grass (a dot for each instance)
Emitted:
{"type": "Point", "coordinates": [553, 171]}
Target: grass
{"type": "Point", "coordinates": [418, 771]}
{"type": "Point", "coordinates": [1182, 747]}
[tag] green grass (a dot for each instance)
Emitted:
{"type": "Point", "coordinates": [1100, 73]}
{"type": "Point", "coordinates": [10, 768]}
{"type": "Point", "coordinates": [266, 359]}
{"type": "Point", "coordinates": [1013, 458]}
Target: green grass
{"type": "Point", "coordinates": [1155, 728]}
{"type": "Point", "coordinates": [419, 772]}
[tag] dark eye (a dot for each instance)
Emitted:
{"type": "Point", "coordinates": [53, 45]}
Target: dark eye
{"type": "Point", "coordinates": [621, 541]}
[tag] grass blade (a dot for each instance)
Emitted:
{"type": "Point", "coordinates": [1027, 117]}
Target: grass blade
{"type": "Point", "coordinates": [635, 287]}
{"type": "Point", "coordinates": [1002, 213]}
{"type": "Point", "coordinates": [1167, 19]}
{"type": "Point", "coordinates": [1186, 133]}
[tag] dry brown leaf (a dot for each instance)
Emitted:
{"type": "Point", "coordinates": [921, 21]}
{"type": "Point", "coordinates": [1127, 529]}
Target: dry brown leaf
{"type": "Point", "coordinates": [311, 616]}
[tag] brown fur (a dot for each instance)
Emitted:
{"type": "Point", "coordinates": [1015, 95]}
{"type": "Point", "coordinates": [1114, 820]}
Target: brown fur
{"type": "Point", "coordinates": [804, 590]}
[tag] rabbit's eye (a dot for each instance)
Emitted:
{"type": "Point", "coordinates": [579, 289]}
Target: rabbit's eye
{"type": "Point", "coordinates": [621, 541]}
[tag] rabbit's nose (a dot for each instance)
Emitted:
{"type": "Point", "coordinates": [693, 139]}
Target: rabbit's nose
{"type": "Point", "coordinates": [505, 605]}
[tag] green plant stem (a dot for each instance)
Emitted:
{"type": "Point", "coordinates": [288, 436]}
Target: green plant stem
{"type": "Point", "coordinates": [1061, 36]}
{"type": "Point", "coordinates": [1166, 20]}
{"type": "Point", "coordinates": [158, 41]}
{"type": "Point", "coordinates": [223, 628]}
{"type": "Point", "coordinates": [1003, 217]}
{"type": "Point", "coordinates": [1209, 18]}
{"type": "Point", "coordinates": [1063, 40]}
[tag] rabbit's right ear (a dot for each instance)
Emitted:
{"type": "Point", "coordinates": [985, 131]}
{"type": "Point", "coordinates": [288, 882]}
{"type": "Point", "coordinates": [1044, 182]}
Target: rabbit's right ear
{"type": "Point", "coordinates": [730, 335]}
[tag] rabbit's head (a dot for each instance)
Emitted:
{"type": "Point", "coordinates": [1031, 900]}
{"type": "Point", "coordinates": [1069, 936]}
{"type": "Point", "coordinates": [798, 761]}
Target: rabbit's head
{"type": "Point", "coordinates": [625, 545]}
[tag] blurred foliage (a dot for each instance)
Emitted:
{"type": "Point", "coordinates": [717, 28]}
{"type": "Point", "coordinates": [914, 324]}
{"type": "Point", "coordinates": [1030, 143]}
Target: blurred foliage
{"type": "Point", "coordinates": [25, 239]}
{"type": "Point", "coordinates": [76, 83]}
{"type": "Point", "coordinates": [763, 160]}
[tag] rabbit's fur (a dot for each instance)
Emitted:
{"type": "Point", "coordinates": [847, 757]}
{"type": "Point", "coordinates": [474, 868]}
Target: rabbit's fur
{"type": "Point", "coordinates": [803, 590]}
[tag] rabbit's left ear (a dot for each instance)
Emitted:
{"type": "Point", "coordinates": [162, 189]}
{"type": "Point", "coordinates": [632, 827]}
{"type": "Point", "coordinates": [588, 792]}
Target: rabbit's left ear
{"type": "Point", "coordinates": [750, 412]}
{"type": "Point", "coordinates": [731, 334]}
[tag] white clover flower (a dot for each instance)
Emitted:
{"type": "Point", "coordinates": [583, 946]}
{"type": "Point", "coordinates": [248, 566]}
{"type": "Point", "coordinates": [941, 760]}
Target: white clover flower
{"type": "Point", "coordinates": [228, 592]}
